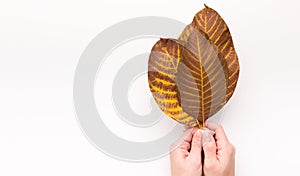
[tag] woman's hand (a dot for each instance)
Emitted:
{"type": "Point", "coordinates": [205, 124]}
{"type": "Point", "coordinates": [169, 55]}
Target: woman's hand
{"type": "Point", "coordinates": [186, 158]}
{"type": "Point", "coordinates": [219, 155]}
{"type": "Point", "coordinates": [218, 160]}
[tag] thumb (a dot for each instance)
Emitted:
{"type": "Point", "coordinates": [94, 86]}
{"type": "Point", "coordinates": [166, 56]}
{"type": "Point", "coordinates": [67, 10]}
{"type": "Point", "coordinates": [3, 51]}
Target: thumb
{"type": "Point", "coordinates": [195, 153]}
{"type": "Point", "coordinates": [210, 152]}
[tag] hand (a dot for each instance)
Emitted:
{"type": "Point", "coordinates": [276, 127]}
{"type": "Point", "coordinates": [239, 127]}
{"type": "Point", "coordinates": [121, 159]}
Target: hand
{"type": "Point", "coordinates": [186, 158]}
{"type": "Point", "coordinates": [219, 155]}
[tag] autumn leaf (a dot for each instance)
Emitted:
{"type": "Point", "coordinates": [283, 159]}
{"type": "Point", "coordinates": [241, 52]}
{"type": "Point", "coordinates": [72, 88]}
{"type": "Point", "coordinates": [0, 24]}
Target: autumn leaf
{"type": "Point", "coordinates": [162, 72]}
{"type": "Point", "coordinates": [212, 24]}
{"type": "Point", "coordinates": [193, 77]}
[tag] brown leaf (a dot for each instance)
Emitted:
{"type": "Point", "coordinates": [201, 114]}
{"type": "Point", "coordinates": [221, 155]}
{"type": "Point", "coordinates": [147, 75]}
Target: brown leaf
{"type": "Point", "coordinates": [162, 71]}
{"type": "Point", "coordinates": [212, 24]}
{"type": "Point", "coordinates": [192, 78]}
{"type": "Point", "coordinates": [202, 77]}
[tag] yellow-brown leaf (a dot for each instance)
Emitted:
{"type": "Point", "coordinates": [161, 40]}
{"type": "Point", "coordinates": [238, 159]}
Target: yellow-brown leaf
{"type": "Point", "coordinates": [192, 78]}
{"type": "Point", "coordinates": [162, 71]}
{"type": "Point", "coordinates": [212, 24]}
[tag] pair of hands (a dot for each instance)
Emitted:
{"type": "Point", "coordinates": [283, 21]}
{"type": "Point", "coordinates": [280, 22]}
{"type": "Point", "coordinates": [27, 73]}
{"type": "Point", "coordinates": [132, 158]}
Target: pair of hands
{"type": "Point", "coordinates": [186, 159]}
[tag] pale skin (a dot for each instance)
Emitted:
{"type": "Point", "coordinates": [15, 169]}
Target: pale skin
{"type": "Point", "coordinates": [219, 155]}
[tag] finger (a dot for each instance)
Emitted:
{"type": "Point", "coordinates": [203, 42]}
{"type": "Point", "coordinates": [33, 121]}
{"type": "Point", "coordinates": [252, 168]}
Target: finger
{"type": "Point", "coordinates": [180, 148]}
{"type": "Point", "coordinates": [224, 147]}
{"type": "Point", "coordinates": [220, 134]}
{"type": "Point", "coordinates": [195, 153]}
{"type": "Point", "coordinates": [185, 146]}
{"type": "Point", "coordinates": [207, 136]}
{"type": "Point", "coordinates": [182, 151]}
{"type": "Point", "coordinates": [210, 152]}
{"type": "Point", "coordinates": [186, 137]}
{"type": "Point", "coordinates": [178, 154]}
{"type": "Point", "coordinates": [192, 130]}
{"type": "Point", "coordinates": [211, 125]}
{"type": "Point", "coordinates": [195, 129]}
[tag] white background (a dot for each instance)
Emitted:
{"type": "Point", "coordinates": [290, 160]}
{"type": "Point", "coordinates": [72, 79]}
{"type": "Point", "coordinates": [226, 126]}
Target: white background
{"type": "Point", "coordinates": [41, 42]}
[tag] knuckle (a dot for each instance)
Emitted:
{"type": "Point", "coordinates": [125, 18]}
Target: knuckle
{"type": "Point", "coordinates": [231, 149]}
{"type": "Point", "coordinates": [188, 145]}
{"type": "Point", "coordinates": [221, 127]}
{"type": "Point", "coordinates": [209, 165]}
{"type": "Point", "coordinates": [209, 147]}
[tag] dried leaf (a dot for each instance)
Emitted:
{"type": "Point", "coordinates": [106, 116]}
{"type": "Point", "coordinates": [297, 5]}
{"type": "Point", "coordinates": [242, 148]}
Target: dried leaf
{"type": "Point", "coordinates": [192, 78]}
{"type": "Point", "coordinates": [162, 71]}
{"type": "Point", "coordinates": [202, 77]}
{"type": "Point", "coordinates": [212, 24]}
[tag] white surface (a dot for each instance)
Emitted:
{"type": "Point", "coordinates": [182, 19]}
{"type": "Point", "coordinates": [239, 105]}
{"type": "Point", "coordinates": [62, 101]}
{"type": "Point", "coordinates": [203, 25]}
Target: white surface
{"type": "Point", "coordinates": [40, 44]}
{"type": "Point", "coordinates": [139, 94]}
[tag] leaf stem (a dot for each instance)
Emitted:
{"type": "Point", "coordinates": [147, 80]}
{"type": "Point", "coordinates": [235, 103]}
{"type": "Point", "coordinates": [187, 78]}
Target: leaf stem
{"type": "Point", "coordinates": [200, 126]}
